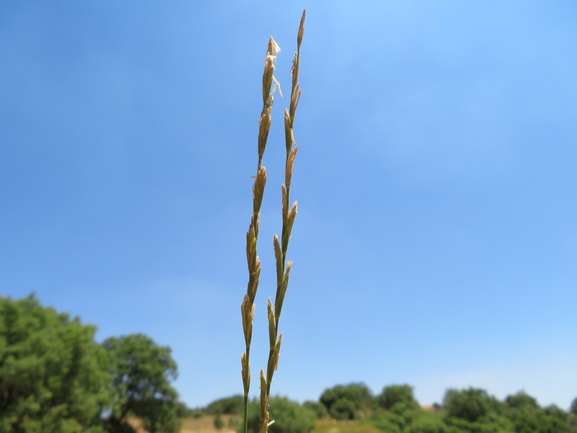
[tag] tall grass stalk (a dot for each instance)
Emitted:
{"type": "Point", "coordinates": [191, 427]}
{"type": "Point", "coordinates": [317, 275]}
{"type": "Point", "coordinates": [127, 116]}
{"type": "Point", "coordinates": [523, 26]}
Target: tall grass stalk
{"type": "Point", "coordinates": [283, 267]}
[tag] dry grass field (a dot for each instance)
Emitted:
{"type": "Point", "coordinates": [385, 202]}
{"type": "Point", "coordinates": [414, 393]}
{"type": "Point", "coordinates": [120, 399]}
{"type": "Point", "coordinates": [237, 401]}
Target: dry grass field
{"type": "Point", "coordinates": [332, 426]}
{"type": "Point", "coordinates": [205, 424]}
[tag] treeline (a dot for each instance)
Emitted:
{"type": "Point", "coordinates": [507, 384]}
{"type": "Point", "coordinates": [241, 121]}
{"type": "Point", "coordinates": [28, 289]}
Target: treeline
{"type": "Point", "coordinates": [55, 378]}
{"type": "Point", "coordinates": [395, 410]}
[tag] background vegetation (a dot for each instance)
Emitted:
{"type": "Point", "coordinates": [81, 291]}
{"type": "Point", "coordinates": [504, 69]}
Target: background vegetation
{"type": "Point", "coordinates": [395, 410]}
{"type": "Point", "coordinates": [55, 378]}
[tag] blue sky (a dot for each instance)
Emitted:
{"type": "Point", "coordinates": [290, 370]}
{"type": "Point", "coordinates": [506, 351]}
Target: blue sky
{"type": "Point", "coordinates": [436, 240]}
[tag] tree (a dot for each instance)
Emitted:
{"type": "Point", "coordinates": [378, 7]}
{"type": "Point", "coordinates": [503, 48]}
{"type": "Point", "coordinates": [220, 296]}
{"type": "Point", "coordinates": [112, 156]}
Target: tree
{"type": "Point", "coordinates": [346, 401]}
{"type": "Point", "coordinates": [52, 373]}
{"type": "Point", "coordinates": [142, 372]}
{"type": "Point", "coordinates": [470, 404]}
{"type": "Point", "coordinates": [317, 407]}
{"type": "Point", "coordinates": [398, 394]}
{"type": "Point", "coordinates": [522, 401]}
{"type": "Point", "coordinates": [226, 406]}
{"type": "Point", "coordinates": [343, 409]}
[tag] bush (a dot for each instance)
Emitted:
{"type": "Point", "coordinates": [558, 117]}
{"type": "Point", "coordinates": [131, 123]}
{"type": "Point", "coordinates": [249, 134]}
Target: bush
{"type": "Point", "coordinates": [218, 422]}
{"type": "Point", "coordinates": [426, 422]}
{"type": "Point", "coordinates": [469, 404]}
{"type": "Point", "coordinates": [343, 409]}
{"type": "Point", "coordinates": [389, 422]}
{"type": "Point", "coordinates": [352, 400]}
{"type": "Point", "coordinates": [555, 412]}
{"type": "Point", "coordinates": [226, 406]}
{"type": "Point", "coordinates": [288, 416]}
{"type": "Point", "coordinates": [491, 423]}
{"type": "Point", "coordinates": [195, 413]}
{"type": "Point", "coordinates": [394, 394]}
{"type": "Point", "coordinates": [316, 407]}
{"type": "Point", "coordinates": [521, 401]}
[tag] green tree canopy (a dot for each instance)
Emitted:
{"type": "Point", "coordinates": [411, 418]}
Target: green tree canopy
{"type": "Point", "coordinates": [522, 401]}
{"type": "Point", "coordinates": [397, 394]}
{"type": "Point", "coordinates": [142, 372]}
{"type": "Point", "coordinates": [317, 407]}
{"type": "Point", "coordinates": [346, 401]}
{"type": "Point", "coordinates": [470, 404]}
{"type": "Point", "coordinates": [226, 406]}
{"type": "Point", "coordinates": [52, 373]}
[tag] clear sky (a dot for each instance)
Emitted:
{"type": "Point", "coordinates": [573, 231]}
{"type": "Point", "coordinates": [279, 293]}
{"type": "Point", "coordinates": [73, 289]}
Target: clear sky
{"type": "Point", "coordinates": [436, 240]}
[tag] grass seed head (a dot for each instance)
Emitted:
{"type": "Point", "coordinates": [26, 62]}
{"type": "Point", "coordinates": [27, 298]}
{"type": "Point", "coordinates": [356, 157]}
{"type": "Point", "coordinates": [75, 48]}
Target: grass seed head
{"type": "Point", "coordinates": [245, 372]}
{"type": "Point", "coordinates": [263, 130]}
{"type": "Point", "coordinates": [290, 219]}
{"type": "Point", "coordinates": [247, 314]}
{"type": "Point", "coordinates": [278, 258]}
{"type": "Point", "coordinates": [290, 166]}
{"type": "Point", "coordinates": [258, 188]}
{"type": "Point", "coordinates": [301, 29]}
{"type": "Point", "coordinates": [268, 76]}
{"type": "Point", "coordinates": [281, 290]}
{"type": "Point", "coordinates": [271, 324]}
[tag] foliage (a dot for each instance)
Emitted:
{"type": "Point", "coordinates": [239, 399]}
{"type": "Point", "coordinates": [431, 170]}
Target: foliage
{"type": "Point", "coordinates": [470, 404]}
{"type": "Point", "coordinates": [142, 372]}
{"type": "Point", "coordinates": [426, 422]}
{"type": "Point", "coordinates": [394, 394]}
{"type": "Point", "coordinates": [288, 416]}
{"type": "Point", "coordinates": [491, 423]}
{"type": "Point", "coordinates": [343, 409]}
{"type": "Point", "coordinates": [521, 401]}
{"type": "Point", "coordinates": [389, 422]}
{"type": "Point", "coordinates": [317, 407]}
{"type": "Point", "coordinates": [218, 422]}
{"type": "Point", "coordinates": [226, 406]}
{"type": "Point", "coordinates": [52, 376]}
{"type": "Point", "coordinates": [348, 401]}
{"type": "Point", "coordinates": [474, 411]}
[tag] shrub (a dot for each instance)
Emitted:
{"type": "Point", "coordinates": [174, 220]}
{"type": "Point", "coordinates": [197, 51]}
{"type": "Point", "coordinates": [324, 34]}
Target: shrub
{"type": "Point", "coordinates": [288, 416]}
{"type": "Point", "coordinates": [351, 399]}
{"type": "Point", "coordinates": [343, 409]}
{"type": "Point", "coordinates": [218, 422]}
{"type": "Point", "coordinates": [491, 423]}
{"type": "Point", "coordinates": [226, 406]}
{"type": "Point", "coordinates": [317, 408]}
{"type": "Point", "coordinates": [389, 422]}
{"type": "Point", "coordinates": [426, 422]}
{"type": "Point", "coordinates": [469, 404]}
{"type": "Point", "coordinates": [522, 401]}
{"type": "Point", "coordinates": [394, 394]}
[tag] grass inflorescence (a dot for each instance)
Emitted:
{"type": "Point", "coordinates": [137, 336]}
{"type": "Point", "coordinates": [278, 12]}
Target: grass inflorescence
{"type": "Point", "coordinates": [283, 266]}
